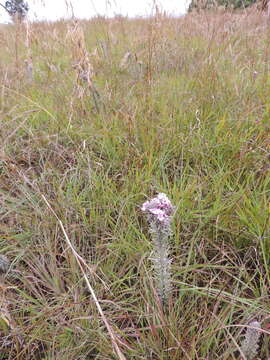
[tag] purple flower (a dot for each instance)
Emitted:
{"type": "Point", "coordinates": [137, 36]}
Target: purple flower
{"type": "Point", "coordinates": [159, 208]}
{"type": "Point", "coordinates": [159, 212]}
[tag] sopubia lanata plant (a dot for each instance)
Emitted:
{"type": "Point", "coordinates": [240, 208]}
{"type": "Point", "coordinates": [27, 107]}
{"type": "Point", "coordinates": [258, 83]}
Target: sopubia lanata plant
{"type": "Point", "coordinates": [250, 345]}
{"type": "Point", "coordinates": [159, 212]}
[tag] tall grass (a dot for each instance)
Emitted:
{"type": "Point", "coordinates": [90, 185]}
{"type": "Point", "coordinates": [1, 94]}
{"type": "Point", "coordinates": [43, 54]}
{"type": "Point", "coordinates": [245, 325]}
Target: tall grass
{"type": "Point", "coordinates": [187, 116]}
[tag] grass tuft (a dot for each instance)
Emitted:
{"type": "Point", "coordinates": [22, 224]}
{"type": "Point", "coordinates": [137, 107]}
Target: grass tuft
{"type": "Point", "coordinates": [187, 114]}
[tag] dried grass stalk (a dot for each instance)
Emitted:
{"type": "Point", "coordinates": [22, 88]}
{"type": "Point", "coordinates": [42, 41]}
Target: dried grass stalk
{"type": "Point", "coordinates": [82, 64]}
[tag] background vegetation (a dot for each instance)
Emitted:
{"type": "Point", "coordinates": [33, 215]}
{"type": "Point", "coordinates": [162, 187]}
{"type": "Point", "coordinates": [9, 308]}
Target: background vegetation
{"type": "Point", "coordinates": [233, 4]}
{"type": "Point", "coordinates": [95, 118]}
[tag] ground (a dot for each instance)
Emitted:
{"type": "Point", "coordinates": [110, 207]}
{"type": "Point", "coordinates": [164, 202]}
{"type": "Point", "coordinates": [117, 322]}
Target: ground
{"type": "Point", "coordinates": [88, 134]}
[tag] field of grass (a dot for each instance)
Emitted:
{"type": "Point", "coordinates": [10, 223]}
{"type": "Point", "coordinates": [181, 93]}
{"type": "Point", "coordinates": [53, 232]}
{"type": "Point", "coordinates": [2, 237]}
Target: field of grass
{"type": "Point", "coordinates": [185, 113]}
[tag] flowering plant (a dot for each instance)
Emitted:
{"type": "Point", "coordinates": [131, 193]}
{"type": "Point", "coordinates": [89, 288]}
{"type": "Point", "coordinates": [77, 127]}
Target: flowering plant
{"type": "Point", "coordinates": [159, 212]}
{"type": "Point", "coordinates": [250, 345]}
{"type": "Point", "coordinates": [159, 208]}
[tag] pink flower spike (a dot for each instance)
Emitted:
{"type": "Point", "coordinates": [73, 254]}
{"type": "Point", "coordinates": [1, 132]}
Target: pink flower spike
{"type": "Point", "coordinates": [159, 207]}
{"type": "Point", "coordinates": [145, 206]}
{"type": "Point", "coordinates": [158, 212]}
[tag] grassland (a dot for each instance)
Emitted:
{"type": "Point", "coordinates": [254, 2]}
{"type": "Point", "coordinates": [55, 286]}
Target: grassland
{"type": "Point", "coordinates": [185, 113]}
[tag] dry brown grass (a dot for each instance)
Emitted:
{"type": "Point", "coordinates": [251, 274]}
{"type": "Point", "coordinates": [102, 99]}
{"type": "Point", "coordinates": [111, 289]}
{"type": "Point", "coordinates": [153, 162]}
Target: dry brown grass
{"type": "Point", "coordinates": [194, 125]}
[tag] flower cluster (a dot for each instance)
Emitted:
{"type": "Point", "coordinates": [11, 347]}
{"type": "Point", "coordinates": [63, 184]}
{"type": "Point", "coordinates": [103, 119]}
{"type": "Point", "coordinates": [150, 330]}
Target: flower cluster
{"type": "Point", "coordinates": [159, 208]}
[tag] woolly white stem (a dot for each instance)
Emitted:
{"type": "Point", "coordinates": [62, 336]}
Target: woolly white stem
{"type": "Point", "coordinates": [161, 260]}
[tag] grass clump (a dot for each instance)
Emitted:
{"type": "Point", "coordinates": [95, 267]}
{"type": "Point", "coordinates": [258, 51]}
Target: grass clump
{"type": "Point", "coordinates": [186, 116]}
